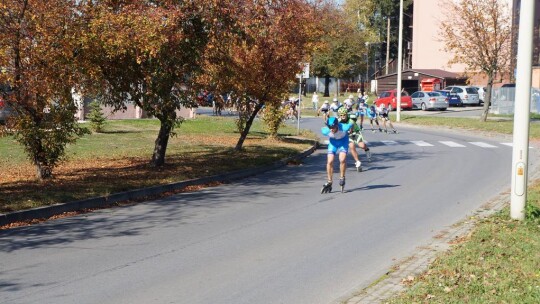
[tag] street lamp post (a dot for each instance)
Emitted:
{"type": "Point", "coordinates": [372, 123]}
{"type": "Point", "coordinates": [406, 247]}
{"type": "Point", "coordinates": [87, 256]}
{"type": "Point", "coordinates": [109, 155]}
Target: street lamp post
{"type": "Point", "coordinates": [367, 63]}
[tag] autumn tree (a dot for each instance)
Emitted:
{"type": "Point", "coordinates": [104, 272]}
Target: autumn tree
{"type": "Point", "coordinates": [264, 53]}
{"type": "Point", "coordinates": [375, 14]}
{"type": "Point", "coordinates": [148, 53]}
{"type": "Point", "coordinates": [480, 38]}
{"type": "Point", "coordinates": [39, 43]}
{"type": "Point", "coordinates": [342, 51]}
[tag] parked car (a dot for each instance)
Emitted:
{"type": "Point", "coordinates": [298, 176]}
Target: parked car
{"type": "Point", "coordinates": [481, 93]}
{"type": "Point", "coordinates": [468, 94]}
{"type": "Point", "coordinates": [429, 101]}
{"type": "Point", "coordinates": [453, 99]}
{"type": "Point", "coordinates": [5, 110]}
{"type": "Point", "coordinates": [388, 98]}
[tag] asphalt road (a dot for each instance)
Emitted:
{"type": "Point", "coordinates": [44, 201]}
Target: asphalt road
{"type": "Point", "coordinates": [272, 238]}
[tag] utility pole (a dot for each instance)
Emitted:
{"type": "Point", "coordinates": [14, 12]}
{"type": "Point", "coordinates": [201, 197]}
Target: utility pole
{"type": "Point", "coordinates": [520, 147]}
{"type": "Point", "coordinates": [400, 56]}
{"type": "Point", "coordinates": [367, 62]}
{"type": "Point", "coordinates": [387, 43]}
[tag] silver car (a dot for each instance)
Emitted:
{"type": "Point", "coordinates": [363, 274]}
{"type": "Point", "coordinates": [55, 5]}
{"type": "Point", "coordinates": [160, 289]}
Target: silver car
{"type": "Point", "coordinates": [429, 100]}
{"type": "Point", "coordinates": [469, 95]}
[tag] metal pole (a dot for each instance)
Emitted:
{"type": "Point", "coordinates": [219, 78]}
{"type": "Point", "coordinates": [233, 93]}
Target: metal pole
{"type": "Point", "coordinates": [520, 150]}
{"type": "Point", "coordinates": [400, 56]}
{"type": "Point", "coordinates": [367, 62]}
{"type": "Point", "coordinates": [298, 106]}
{"type": "Point", "coordinates": [387, 44]}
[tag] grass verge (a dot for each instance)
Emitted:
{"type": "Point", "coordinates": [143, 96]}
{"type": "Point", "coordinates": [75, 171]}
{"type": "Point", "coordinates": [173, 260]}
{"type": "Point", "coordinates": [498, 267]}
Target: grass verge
{"type": "Point", "coordinates": [498, 262]}
{"type": "Point", "coordinates": [118, 160]}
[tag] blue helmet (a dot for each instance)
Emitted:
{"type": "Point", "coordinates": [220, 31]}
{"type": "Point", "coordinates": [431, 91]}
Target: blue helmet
{"type": "Point", "coordinates": [332, 122]}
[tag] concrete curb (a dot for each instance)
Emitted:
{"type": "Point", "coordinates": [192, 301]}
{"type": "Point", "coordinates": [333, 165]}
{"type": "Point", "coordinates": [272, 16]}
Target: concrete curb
{"type": "Point", "coordinates": [102, 201]}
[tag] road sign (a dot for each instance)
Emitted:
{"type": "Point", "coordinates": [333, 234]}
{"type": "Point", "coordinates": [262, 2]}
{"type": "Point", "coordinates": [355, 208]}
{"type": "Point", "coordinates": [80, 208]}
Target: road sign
{"type": "Point", "coordinates": [305, 71]}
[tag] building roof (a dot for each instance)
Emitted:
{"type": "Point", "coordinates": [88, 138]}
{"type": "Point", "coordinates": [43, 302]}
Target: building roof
{"type": "Point", "coordinates": [436, 73]}
{"type": "Point", "coordinates": [439, 73]}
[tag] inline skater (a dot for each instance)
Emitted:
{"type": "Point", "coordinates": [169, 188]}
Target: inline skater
{"type": "Point", "coordinates": [355, 138]}
{"type": "Point", "coordinates": [335, 106]}
{"type": "Point", "coordinates": [383, 113]}
{"type": "Point", "coordinates": [348, 103]}
{"type": "Point", "coordinates": [371, 113]}
{"type": "Point", "coordinates": [338, 137]}
{"type": "Point", "coordinates": [361, 112]}
{"type": "Point", "coordinates": [324, 110]}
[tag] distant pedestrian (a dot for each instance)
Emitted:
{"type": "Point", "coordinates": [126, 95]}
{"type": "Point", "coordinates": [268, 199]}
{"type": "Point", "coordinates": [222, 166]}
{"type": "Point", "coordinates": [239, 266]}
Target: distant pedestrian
{"type": "Point", "coordinates": [315, 101]}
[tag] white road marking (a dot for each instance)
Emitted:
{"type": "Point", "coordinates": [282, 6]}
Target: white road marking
{"type": "Point", "coordinates": [512, 144]}
{"type": "Point", "coordinates": [421, 143]}
{"type": "Point", "coordinates": [482, 144]}
{"type": "Point", "coordinates": [452, 144]}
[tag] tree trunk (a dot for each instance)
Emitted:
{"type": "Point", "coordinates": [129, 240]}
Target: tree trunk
{"type": "Point", "coordinates": [160, 147]}
{"type": "Point", "coordinates": [327, 86]}
{"type": "Point", "coordinates": [487, 99]}
{"type": "Point", "coordinates": [245, 132]}
{"type": "Point", "coordinates": [43, 172]}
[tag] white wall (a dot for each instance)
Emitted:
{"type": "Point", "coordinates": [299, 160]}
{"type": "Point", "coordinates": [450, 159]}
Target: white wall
{"type": "Point", "coordinates": [428, 51]}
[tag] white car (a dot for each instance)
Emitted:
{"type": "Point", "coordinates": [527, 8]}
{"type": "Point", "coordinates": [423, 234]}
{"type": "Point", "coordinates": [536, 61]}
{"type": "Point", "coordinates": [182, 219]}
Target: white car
{"type": "Point", "coordinates": [429, 100]}
{"type": "Point", "coordinates": [469, 95]}
{"type": "Point", "coordinates": [481, 92]}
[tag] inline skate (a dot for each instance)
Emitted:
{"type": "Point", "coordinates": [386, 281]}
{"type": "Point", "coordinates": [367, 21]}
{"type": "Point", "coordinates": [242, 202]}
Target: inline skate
{"type": "Point", "coordinates": [326, 188]}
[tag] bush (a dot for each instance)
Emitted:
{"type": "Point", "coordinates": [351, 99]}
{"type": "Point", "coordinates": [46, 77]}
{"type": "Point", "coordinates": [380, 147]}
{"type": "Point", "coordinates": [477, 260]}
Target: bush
{"type": "Point", "coordinates": [96, 117]}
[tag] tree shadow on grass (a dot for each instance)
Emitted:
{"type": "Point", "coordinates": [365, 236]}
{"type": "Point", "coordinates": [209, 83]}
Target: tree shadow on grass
{"type": "Point", "coordinates": [297, 140]}
{"type": "Point", "coordinates": [120, 131]}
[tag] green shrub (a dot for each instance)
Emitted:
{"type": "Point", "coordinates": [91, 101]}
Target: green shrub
{"type": "Point", "coordinates": [96, 117]}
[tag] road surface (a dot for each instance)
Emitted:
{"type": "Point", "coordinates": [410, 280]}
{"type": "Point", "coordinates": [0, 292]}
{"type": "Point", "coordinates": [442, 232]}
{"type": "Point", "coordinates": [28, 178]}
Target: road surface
{"type": "Point", "coordinates": [272, 238]}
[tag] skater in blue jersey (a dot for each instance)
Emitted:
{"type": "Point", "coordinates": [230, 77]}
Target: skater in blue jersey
{"type": "Point", "coordinates": [338, 135]}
